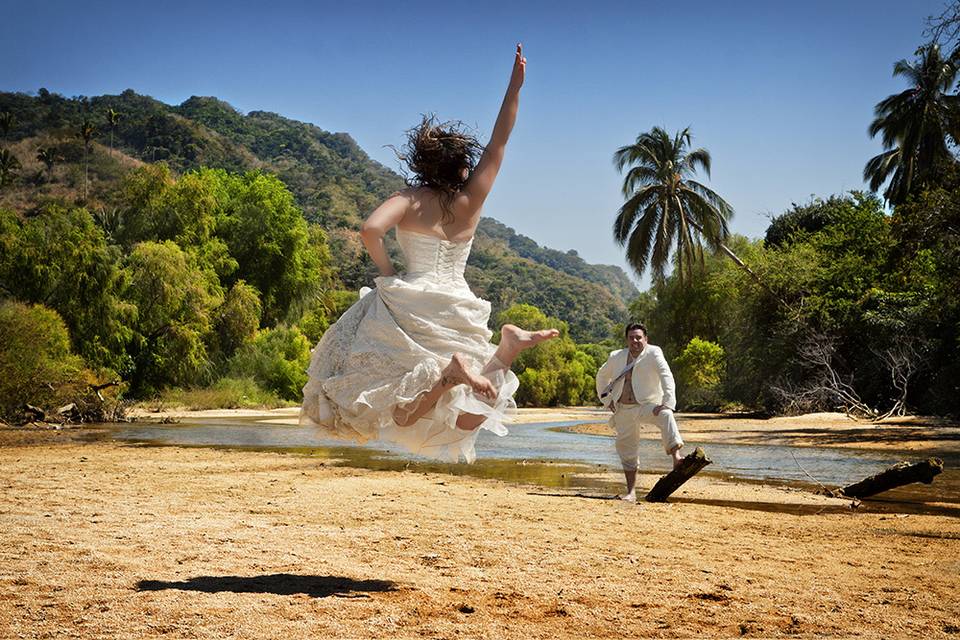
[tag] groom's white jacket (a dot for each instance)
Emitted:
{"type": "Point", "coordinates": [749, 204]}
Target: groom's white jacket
{"type": "Point", "coordinates": [651, 377]}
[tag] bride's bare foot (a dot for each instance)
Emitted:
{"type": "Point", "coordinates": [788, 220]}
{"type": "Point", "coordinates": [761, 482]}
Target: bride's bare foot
{"type": "Point", "coordinates": [457, 373]}
{"type": "Point", "coordinates": [513, 339]}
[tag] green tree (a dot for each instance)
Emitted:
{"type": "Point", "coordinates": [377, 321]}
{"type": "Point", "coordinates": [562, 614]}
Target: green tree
{"type": "Point", "coordinates": [269, 238]}
{"type": "Point", "coordinates": [699, 369]}
{"type": "Point", "coordinates": [554, 372]}
{"type": "Point", "coordinates": [237, 319]}
{"type": "Point", "coordinates": [323, 309]}
{"type": "Point", "coordinates": [9, 166]}
{"type": "Point", "coordinates": [277, 359]}
{"type": "Point", "coordinates": [176, 302]}
{"type": "Point", "coordinates": [665, 206]}
{"type": "Point", "coordinates": [916, 126]}
{"type": "Point", "coordinates": [48, 156]}
{"type": "Point", "coordinates": [36, 364]}
{"type": "Point", "coordinates": [59, 258]}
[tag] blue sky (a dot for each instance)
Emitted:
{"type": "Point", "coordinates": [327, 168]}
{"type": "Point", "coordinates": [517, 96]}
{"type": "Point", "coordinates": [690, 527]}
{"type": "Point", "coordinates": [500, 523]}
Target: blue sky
{"type": "Point", "coordinates": [780, 93]}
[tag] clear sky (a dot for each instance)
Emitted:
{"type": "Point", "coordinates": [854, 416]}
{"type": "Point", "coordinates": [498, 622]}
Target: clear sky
{"type": "Point", "coordinates": [780, 93]}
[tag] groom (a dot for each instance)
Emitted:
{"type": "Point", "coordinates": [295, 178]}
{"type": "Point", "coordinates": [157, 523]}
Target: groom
{"type": "Point", "coordinates": [637, 385]}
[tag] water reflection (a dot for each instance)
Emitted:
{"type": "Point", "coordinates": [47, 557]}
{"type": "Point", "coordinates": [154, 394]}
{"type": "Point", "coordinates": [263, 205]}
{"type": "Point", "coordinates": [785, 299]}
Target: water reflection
{"type": "Point", "coordinates": [547, 455]}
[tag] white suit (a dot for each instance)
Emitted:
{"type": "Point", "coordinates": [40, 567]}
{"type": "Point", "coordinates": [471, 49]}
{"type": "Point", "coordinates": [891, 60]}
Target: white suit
{"type": "Point", "coordinates": [652, 385]}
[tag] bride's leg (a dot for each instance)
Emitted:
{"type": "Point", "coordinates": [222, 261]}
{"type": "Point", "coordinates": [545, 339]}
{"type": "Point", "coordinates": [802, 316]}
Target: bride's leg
{"type": "Point", "coordinates": [513, 340]}
{"type": "Point", "coordinates": [455, 373]}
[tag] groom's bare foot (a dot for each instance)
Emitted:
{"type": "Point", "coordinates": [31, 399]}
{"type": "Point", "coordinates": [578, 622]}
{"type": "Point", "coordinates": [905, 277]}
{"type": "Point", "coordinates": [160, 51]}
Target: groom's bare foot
{"type": "Point", "coordinates": [677, 458]}
{"type": "Point", "coordinates": [513, 339]}
{"type": "Point", "coordinates": [457, 373]}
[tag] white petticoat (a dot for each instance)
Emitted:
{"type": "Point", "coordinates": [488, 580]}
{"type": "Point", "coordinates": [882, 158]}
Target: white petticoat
{"type": "Point", "coordinates": [390, 347]}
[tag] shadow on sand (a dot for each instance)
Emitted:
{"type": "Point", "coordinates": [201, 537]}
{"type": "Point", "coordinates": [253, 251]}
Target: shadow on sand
{"type": "Point", "coordinates": [283, 584]}
{"type": "Point", "coordinates": [870, 505]}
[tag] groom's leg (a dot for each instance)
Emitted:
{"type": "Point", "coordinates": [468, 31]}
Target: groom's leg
{"type": "Point", "coordinates": [669, 431]}
{"type": "Point", "coordinates": [627, 429]}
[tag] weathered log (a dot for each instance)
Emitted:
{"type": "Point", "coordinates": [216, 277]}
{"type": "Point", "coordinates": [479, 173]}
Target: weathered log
{"type": "Point", "coordinates": [896, 476]}
{"type": "Point", "coordinates": [34, 414]}
{"type": "Point", "coordinates": [689, 467]}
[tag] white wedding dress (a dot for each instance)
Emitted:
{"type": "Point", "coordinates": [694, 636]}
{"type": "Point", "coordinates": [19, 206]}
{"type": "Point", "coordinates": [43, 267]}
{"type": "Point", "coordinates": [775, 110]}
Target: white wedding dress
{"type": "Point", "coordinates": [392, 345]}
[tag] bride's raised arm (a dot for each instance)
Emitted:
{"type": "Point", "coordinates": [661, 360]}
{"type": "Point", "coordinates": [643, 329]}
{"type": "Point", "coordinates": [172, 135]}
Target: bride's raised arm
{"type": "Point", "coordinates": [481, 180]}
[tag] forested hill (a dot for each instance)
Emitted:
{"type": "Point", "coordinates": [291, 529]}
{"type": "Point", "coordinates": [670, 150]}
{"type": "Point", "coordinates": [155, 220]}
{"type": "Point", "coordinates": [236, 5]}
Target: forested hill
{"type": "Point", "coordinates": [333, 181]}
{"type": "Point", "coordinates": [610, 277]}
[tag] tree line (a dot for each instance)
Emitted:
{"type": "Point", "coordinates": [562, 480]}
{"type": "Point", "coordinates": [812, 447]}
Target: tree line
{"type": "Point", "coordinates": [844, 304]}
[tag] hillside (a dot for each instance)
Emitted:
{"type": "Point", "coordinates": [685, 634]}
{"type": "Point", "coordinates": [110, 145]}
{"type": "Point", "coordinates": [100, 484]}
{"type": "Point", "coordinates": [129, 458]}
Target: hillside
{"type": "Point", "coordinates": [334, 183]}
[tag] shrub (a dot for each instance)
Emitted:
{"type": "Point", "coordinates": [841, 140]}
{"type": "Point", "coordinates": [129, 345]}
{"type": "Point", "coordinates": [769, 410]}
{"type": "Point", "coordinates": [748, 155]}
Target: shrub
{"type": "Point", "coordinates": [699, 370]}
{"type": "Point", "coordinates": [277, 359]}
{"type": "Point", "coordinates": [36, 365]}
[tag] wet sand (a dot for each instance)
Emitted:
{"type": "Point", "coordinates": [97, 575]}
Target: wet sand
{"type": "Point", "coordinates": [108, 540]}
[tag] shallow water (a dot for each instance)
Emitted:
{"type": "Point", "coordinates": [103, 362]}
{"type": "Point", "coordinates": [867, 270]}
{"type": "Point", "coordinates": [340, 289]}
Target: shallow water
{"type": "Point", "coordinates": [546, 455]}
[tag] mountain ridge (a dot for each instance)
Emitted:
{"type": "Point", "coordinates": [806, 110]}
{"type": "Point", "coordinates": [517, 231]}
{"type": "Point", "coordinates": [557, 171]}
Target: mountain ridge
{"type": "Point", "coordinates": [335, 184]}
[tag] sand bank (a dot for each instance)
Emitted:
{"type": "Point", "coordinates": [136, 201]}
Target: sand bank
{"type": "Point", "coordinates": [105, 540]}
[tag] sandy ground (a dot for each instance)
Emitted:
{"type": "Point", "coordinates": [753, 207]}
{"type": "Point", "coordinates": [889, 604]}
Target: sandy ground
{"type": "Point", "coordinates": [106, 540]}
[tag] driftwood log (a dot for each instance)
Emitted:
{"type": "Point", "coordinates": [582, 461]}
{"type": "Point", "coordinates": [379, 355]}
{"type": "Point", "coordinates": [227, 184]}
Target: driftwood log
{"type": "Point", "coordinates": [689, 467]}
{"type": "Point", "coordinates": [896, 476]}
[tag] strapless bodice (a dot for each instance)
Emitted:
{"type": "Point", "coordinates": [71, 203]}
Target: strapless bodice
{"type": "Point", "coordinates": [431, 258]}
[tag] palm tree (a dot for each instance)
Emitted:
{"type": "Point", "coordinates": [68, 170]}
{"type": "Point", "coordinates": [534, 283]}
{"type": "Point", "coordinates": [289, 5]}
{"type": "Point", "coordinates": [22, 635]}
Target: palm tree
{"type": "Point", "coordinates": [113, 119]}
{"type": "Point", "coordinates": [914, 125]}
{"type": "Point", "coordinates": [9, 165]}
{"type": "Point", "coordinates": [49, 157]}
{"type": "Point", "coordinates": [87, 131]}
{"type": "Point", "coordinates": [666, 206]}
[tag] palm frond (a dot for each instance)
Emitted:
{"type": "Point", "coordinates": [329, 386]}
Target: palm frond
{"type": "Point", "coordinates": [629, 212]}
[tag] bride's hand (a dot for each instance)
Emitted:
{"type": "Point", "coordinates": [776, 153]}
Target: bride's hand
{"type": "Point", "coordinates": [519, 68]}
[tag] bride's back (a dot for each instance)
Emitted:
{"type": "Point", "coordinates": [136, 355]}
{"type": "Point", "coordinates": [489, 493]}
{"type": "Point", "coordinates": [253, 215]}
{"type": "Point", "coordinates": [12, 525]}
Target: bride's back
{"type": "Point", "coordinates": [425, 214]}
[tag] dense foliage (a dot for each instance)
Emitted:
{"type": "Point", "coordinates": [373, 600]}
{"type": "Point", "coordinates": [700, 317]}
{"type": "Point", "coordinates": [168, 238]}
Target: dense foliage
{"type": "Point", "coordinates": [52, 375]}
{"type": "Point", "coordinates": [867, 298]}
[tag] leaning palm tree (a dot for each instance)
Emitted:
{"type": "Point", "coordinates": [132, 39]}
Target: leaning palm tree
{"type": "Point", "coordinates": [667, 211]}
{"type": "Point", "coordinates": [9, 166]}
{"type": "Point", "coordinates": [915, 125]}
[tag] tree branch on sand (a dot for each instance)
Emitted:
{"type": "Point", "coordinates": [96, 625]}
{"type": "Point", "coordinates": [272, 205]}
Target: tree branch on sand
{"type": "Point", "coordinates": [898, 475]}
{"type": "Point", "coordinates": [902, 359]}
{"type": "Point", "coordinates": [827, 387]}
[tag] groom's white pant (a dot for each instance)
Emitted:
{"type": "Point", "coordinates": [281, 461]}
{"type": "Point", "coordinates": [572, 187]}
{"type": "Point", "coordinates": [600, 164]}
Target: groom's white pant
{"type": "Point", "coordinates": [627, 421]}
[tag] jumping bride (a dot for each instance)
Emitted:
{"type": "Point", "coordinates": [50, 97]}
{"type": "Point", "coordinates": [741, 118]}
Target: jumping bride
{"type": "Point", "coordinates": [411, 362]}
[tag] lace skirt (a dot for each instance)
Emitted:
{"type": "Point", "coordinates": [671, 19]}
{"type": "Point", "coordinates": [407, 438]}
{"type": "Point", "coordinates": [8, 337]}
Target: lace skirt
{"type": "Point", "coordinates": [389, 348]}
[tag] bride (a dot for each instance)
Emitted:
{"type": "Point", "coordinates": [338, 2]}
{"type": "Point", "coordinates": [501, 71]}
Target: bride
{"type": "Point", "coordinates": [411, 362]}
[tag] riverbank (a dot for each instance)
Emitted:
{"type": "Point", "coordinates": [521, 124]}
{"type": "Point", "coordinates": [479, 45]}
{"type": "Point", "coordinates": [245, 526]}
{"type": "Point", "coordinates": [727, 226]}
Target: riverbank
{"type": "Point", "coordinates": [924, 435]}
{"type": "Point", "coordinates": [288, 415]}
{"type": "Point", "coordinates": [106, 540]}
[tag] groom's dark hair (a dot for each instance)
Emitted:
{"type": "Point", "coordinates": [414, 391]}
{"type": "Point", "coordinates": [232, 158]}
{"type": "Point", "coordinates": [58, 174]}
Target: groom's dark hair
{"type": "Point", "coordinates": [635, 325]}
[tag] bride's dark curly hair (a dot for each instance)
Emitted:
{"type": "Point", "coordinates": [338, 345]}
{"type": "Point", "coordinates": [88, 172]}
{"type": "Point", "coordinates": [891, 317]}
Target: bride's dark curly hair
{"type": "Point", "coordinates": [436, 154]}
